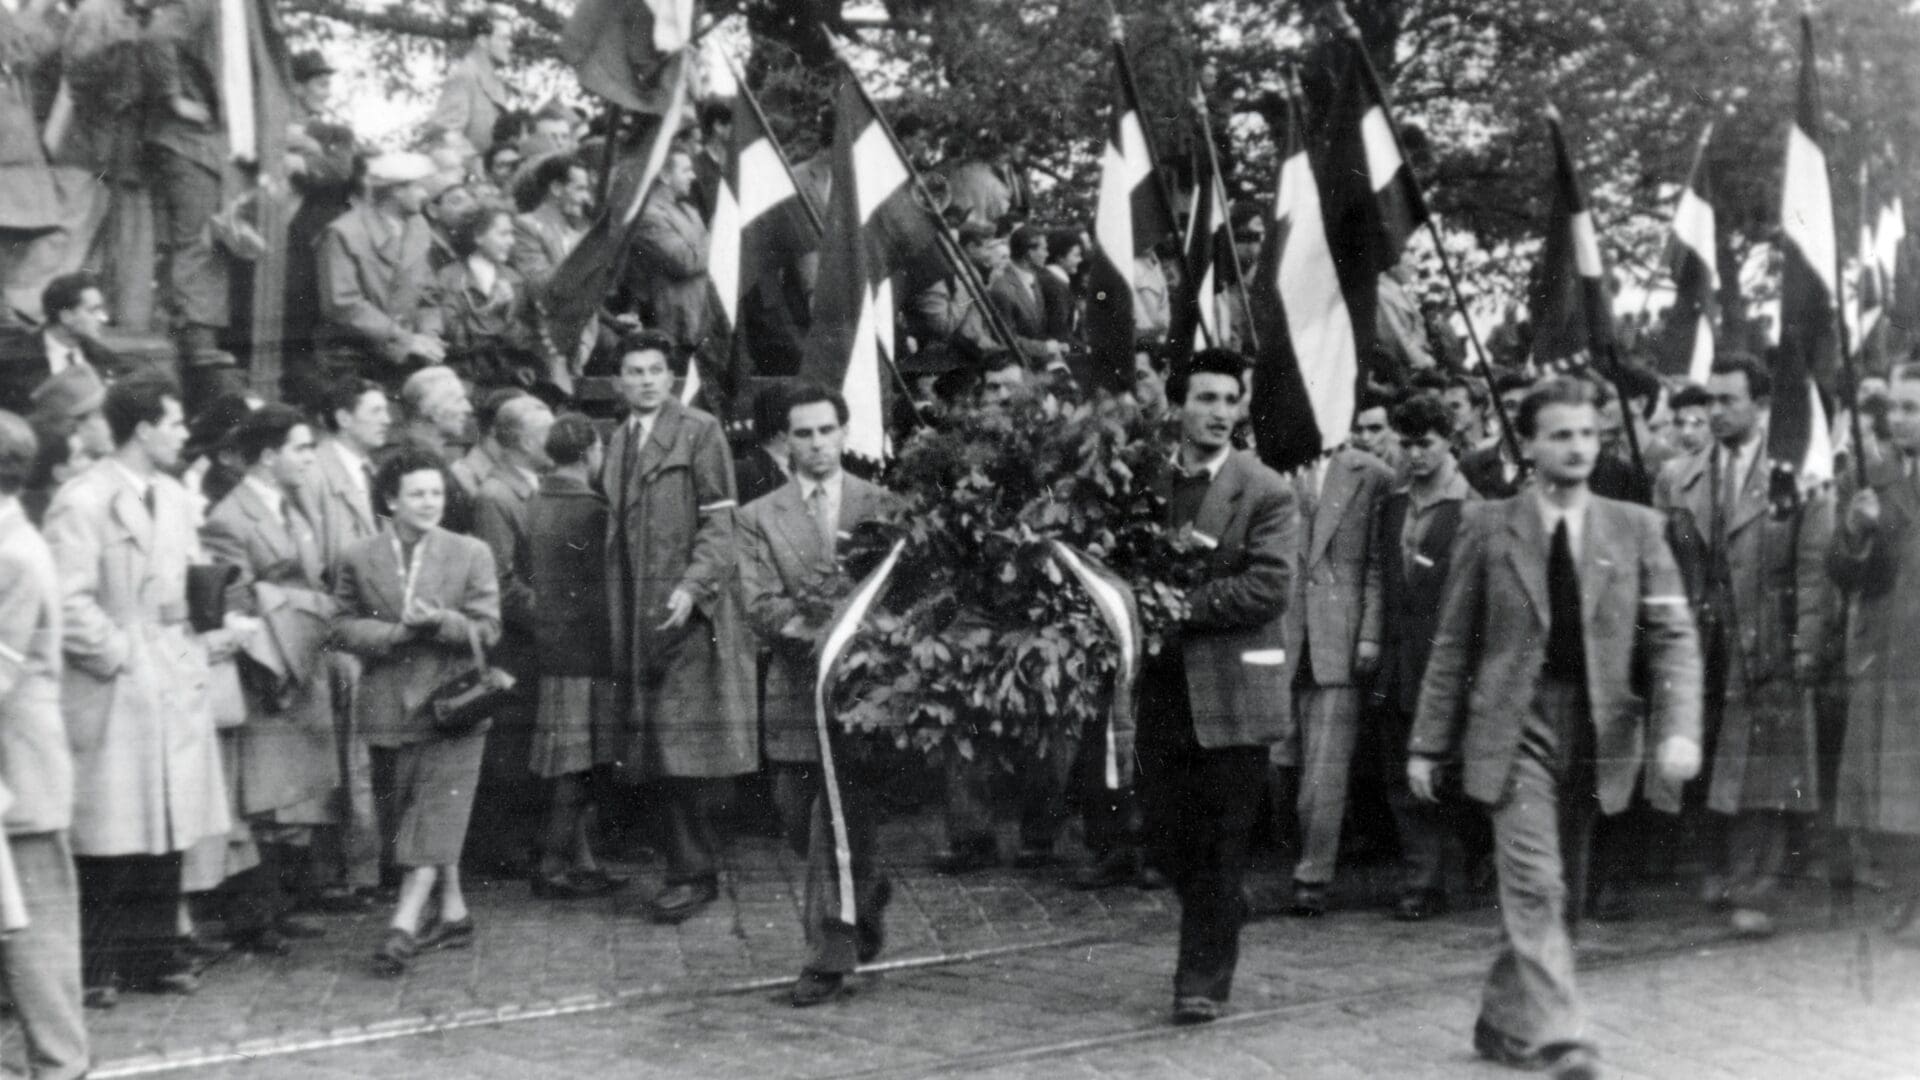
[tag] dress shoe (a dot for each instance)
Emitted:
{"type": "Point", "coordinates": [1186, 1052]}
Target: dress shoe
{"type": "Point", "coordinates": [870, 931]}
{"type": "Point", "coordinates": [609, 882]}
{"type": "Point", "coordinates": [1309, 901]}
{"type": "Point", "coordinates": [263, 942]}
{"type": "Point", "coordinates": [566, 885]}
{"type": "Point", "coordinates": [1748, 923]}
{"type": "Point", "coordinates": [678, 903]}
{"type": "Point", "coordinates": [295, 930]}
{"type": "Point", "coordinates": [1194, 1009]}
{"type": "Point", "coordinates": [101, 997]}
{"type": "Point", "coordinates": [1419, 906]}
{"type": "Point", "coordinates": [1574, 1063]}
{"type": "Point", "coordinates": [457, 934]}
{"type": "Point", "coordinates": [180, 983]}
{"type": "Point", "coordinates": [965, 860]}
{"type": "Point", "coordinates": [395, 953]}
{"type": "Point", "coordinates": [816, 988]}
{"type": "Point", "coordinates": [1501, 1048]}
{"type": "Point", "coordinates": [204, 949]}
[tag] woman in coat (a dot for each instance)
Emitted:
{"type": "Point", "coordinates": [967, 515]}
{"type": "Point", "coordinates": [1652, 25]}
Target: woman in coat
{"type": "Point", "coordinates": [411, 599]}
{"type": "Point", "coordinates": [491, 327]}
{"type": "Point", "coordinates": [577, 726]}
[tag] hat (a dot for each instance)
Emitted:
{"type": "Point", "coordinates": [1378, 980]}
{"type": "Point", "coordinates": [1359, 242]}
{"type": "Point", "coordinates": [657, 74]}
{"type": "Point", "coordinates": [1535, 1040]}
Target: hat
{"type": "Point", "coordinates": [398, 167]}
{"type": "Point", "coordinates": [70, 395]}
{"type": "Point", "coordinates": [310, 65]}
{"type": "Point", "coordinates": [441, 182]}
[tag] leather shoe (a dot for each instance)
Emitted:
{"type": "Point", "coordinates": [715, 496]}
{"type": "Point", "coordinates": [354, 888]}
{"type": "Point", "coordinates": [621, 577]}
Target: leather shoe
{"type": "Point", "coordinates": [1575, 1063]}
{"type": "Point", "coordinates": [266, 942]}
{"type": "Point", "coordinates": [571, 885]}
{"type": "Point", "coordinates": [965, 860]}
{"type": "Point", "coordinates": [340, 902]}
{"type": "Point", "coordinates": [678, 903]}
{"type": "Point", "coordinates": [870, 932]}
{"type": "Point", "coordinates": [295, 930]}
{"type": "Point", "coordinates": [1033, 858]}
{"type": "Point", "coordinates": [1309, 901]}
{"type": "Point", "coordinates": [181, 983]}
{"type": "Point", "coordinates": [395, 953]}
{"type": "Point", "coordinates": [457, 934]}
{"type": "Point", "coordinates": [816, 988]}
{"type": "Point", "coordinates": [1194, 1009]}
{"type": "Point", "coordinates": [1501, 1048]}
{"type": "Point", "coordinates": [1419, 906]}
{"type": "Point", "coordinates": [101, 997]}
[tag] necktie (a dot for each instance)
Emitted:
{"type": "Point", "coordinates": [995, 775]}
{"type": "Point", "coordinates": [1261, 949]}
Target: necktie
{"type": "Point", "coordinates": [1566, 653]}
{"type": "Point", "coordinates": [822, 518]}
{"type": "Point", "coordinates": [147, 498]}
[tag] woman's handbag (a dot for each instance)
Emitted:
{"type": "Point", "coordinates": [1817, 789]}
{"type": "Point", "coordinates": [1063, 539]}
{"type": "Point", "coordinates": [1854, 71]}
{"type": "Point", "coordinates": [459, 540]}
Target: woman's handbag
{"type": "Point", "coordinates": [460, 704]}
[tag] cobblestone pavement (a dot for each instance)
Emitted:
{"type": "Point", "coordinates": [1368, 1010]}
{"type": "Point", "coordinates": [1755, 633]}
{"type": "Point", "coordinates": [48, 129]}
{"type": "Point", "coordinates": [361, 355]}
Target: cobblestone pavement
{"type": "Point", "coordinates": [1010, 974]}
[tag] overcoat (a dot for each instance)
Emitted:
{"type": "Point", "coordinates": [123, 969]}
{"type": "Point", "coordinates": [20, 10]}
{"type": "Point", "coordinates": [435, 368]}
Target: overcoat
{"type": "Point", "coordinates": [1879, 785]}
{"type": "Point", "coordinates": [1772, 600]}
{"type": "Point", "coordinates": [376, 286]}
{"type": "Point", "coordinates": [339, 507]}
{"type": "Point", "coordinates": [1336, 603]}
{"type": "Point", "coordinates": [28, 199]}
{"type": "Point", "coordinates": [567, 530]}
{"type": "Point", "coordinates": [34, 760]}
{"type": "Point", "coordinates": [471, 99]}
{"type": "Point", "coordinates": [670, 268]}
{"type": "Point", "coordinates": [500, 521]}
{"type": "Point", "coordinates": [147, 776]}
{"type": "Point", "coordinates": [689, 692]}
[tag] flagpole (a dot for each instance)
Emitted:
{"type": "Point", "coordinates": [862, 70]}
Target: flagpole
{"type": "Point", "coordinates": [607, 152]}
{"type": "Point", "coordinates": [1233, 253]}
{"type": "Point", "coordinates": [1352, 32]}
{"type": "Point", "coordinates": [1859, 454]}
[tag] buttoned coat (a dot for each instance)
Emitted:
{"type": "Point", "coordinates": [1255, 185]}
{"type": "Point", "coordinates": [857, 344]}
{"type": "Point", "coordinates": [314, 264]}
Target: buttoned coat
{"type": "Point", "coordinates": [567, 535]}
{"type": "Point", "coordinates": [376, 284]}
{"type": "Point", "coordinates": [281, 760]}
{"type": "Point", "coordinates": [501, 521]}
{"type": "Point", "coordinates": [1411, 597]}
{"type": "Point", "coordinates": [669, 276]}
{"type": "Point", "coordinates": [1491, 642]}
{"type": "Point", "coordinates": [1336, 603]}
{"type": "Point", "coordinates": [1022, 309]}
{"type": "Point", "coordinates": [1773, 601]}
{"type": "Point", "coordinates": [471, 99]}
{"type": "Point", "coordinates": [403, 668]}
{"type": "Point", "coordinates": [1879, 785]}
{"type": "Point", "coordinates": [783, 555]}
{"type": "Point", "coordinates": [147, 775]}
{"type": "Point", "coordinates": [340, 510]}
{"type": "Point", "coordinates": [1234, 640]}
{"type": "Point", "coordinates": [34, 760]}
{"type": "Point", "coordinates": [541, 241]}
{"type": "Point", "coordinates": [689, 692]}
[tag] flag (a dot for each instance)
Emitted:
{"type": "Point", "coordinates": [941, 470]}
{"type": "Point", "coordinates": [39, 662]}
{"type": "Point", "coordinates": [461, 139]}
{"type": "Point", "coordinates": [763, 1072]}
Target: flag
{"type": "Point", "coordinates": [1129, 219]}
{"type": "Point", "coordinates": [1798, 440]}
{"type": "Point", "coordinates": [1308, 373]}
{"type": "Point", "coordinates": [582, 281]}
{"type": "Point", "coordinates": [1114, 602]}
{"type": "Point", "coordinates": [1686, 341]}
{"type": "Point", "coordinates": [1883, 227]}
{"type": "Point", "coordinates": [619, 48]}
{"type": "Point", "coordinates": [1572, 313]}
{"type": "Point", "coordinates": [1207, 273]}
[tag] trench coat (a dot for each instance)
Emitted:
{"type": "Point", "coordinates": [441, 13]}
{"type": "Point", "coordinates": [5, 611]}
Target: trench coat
{"type": "Point", "coordinates": [688, 694]}
{"type": "Point", "coordinates": [568, 541]}
{"type": "Point", "coordinates": [1771, 600]}
{"type": "Point", "coordinates": [1879, 784]}
{"type": "Point", "coordinates": [28, 199]}
{"type": "Point", "coordinates": [669, 276]}
{"type": "Point", "coordinates": [147, 775]}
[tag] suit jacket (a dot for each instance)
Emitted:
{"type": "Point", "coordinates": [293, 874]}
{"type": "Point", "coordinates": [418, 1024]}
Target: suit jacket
{"type": "Point", "coordinates": [1336, 603]}
{"type": "Point", "coordinates": [337, 508]}
{"type": "Point", "coordinates": [470, 100]}
{"type": "Point", "coordinates": [500, 520]}
{"type": "Point", "coordinates": [1411, 596]}
{"type": "Point", "coordinates": [755, 473]}
{"type": "Point", "coordinates": [782, 555]}
{"type": "Point", "coordinates": [376, 285]}
{"type": "Point", "coordinates": [1486, 474]}
{"type": "Point", "coordinates": [541, 240]}
{"type": "Point", "coordinates": [34, 760]}
{"type": "Point", "coordinates": [670, 268]}
{"type": "Point", "coordinates": [1234, 641]}
{"type": "Point", "coordinates": [567, 536]}
{"type": "Point", "coordinates": [23, 366]}
{"type": "Point", "coordinates": [1491, 643]}
{"type": "Point", "coordinates": [402, 668]}
{"type": "Point", "coordinates": [1062, 308]}
{"type": "Point", "coordinates": [1019, 304]}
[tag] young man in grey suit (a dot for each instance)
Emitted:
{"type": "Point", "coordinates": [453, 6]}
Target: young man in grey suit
{"type": "Point", "coordinates": [1211, 702]}
{"type": "Point", "coordinates": [787, 543]}
{"type": "Point", "coordinates": [1530, 689]}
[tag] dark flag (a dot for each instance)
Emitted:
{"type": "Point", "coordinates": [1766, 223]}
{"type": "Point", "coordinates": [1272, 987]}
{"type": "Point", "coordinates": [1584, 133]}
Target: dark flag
{"type": "Point", "coordinates": [1132, 216]}
{"type": "Point", "coordinates": [1686, 342]}
{"type": "Point", "coordinates": [619, 48]}
{"type": "Point", "coordinates": [1572, 314]}
{"type": "Point", "coordinates": [1798, 440]}
{"type": "Point", "coordinates": [1207, 271]}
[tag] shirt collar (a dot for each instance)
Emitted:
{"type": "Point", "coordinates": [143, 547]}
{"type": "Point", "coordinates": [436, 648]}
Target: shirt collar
{"type": "Point", "coordinates": [833, 484]}
{"type": "Point", "coordinates": [275, 499]}
{"type": "Point", "coordinates": [1551, 514]}
{"type": "Point", "coordinates": [140, 483]}
{"type": "Point", "coordinates": [1211, 466]}
{"type": "Point", "coordinates": [1453, 489]}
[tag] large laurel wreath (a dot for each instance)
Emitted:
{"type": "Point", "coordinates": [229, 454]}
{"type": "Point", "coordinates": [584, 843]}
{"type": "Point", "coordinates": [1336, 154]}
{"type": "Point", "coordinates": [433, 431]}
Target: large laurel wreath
{"type": "Point", "coordinates": [983, 642]}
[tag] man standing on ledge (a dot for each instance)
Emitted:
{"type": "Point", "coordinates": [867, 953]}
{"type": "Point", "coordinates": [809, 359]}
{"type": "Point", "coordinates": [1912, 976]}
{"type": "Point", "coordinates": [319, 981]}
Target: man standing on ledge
{"type": "Point", "coordinates": [1552, 594]}
{"type": "Point", "coordinates": [1211, 702]}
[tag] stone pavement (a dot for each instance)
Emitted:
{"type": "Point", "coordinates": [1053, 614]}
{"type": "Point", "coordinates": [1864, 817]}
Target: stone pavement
{"type": "Point", "coordinates": [1008, 974]}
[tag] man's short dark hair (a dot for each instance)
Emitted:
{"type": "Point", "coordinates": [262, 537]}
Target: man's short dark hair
{"type": "Point", "coordinates": [479, 26]}
{"type": "Point", "coordinates": [1000, 360]}
{"type": "Point", "coordinates": [547, 172]}
{"type": "Point", "coordinates": [406, 460]}
{"type": "Point", "coordinates": [646, 340]}
{"type": "Point", "coordinates": [812, 393]}
{"type": "Point", "coordinates": [1422, 415]}
{"type": "Point", "coordinates": [19, 449]}
{"type": "Point", "coordinates": [1061, 242]}
{"type": "Point", "coordinates": [1909, 372]}
{"type": "Point", "coordinates": [1559, 390]}
{"type": "Point", "coordinates": [713, 114]}
{"type": "Point", "coordinates": [1155, 348]}
{"type": "Point", "coordinates": [1206, 362]}
{"type": "Point", "coordinates": [141, 399]}
{"type": "Point", "coordinates": [1475, 388]}
{"type": "Point", "coordinates": [64, 293]}
{"type": "Point", "coordinates": [487, 409]}
{"type": "Point", "coordinates": [1508, 381]}
{"type": "Point", "coordinates": [1377, 399]}
{"type": "Point", "coordinates": [265, 428]}
{"type": "Point", "coordinates": [1026, 238]}
{"type": "Point", "coordinates": [344, 396]}
{"type": "Point", "coordinates": [1759, 379]}
{"type": "Point", "coordinates": [571, 436]}
{"type": "Point", "coordinates": [975, 232]}
{"type": "Point", "coordinates": [1428, 379]}
{"type": "Point", "coordinates": [1690, 396]}
{"type": "Point", "coordinates": [770, 411]}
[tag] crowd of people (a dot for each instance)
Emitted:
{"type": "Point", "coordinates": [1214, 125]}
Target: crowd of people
{"type": "Point", "coordinates": [236, 634]}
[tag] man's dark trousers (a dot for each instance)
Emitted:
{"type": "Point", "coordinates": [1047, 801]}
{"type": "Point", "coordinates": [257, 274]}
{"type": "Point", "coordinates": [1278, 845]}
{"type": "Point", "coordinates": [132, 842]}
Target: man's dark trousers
{"type": "Point", "coordinates": [799, 790]}
{"type": "Point", "coordinates": [1199, 808]}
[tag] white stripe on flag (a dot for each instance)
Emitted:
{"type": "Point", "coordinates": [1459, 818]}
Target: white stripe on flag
{"type": "Point", "coordinates": [1113, 219]}
{"type": "Point", "coordinates": [672, 24]}
{"type": "Point", "coordinates": [1693, 226]}
{"type": "Point", "coordinates": [1818, 468]}
{"type": "Point", "coordinates": [1889, 229]}
{"type": "Point", "coordinates": [1700, 366]}
{"type": "Point", "coordinates": [1112, 606]}
{"type": "Point", "coordinates": [877, 170]}
{"type": "Point", "coordinates": [690, 387]}
{"type": "Point", "coordinates": [866, 424]}
{"type": "Point", "coordinates": [1806, 207]}
{"type": "Point", "coordinates": [1586, 246]}
{"type": "Point", "coordinates": [723, 253]}
{"type": "Point", "coordinates": [763, 181]}
{"type": "Point", "coordinates": [1316, 309]}
{"type": "Point", "coordinates": [662, 142]}
{"type": "Point", "coordinates": [1383, 154]}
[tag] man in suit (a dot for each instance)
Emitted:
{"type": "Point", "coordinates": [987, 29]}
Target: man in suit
{"type": "Point", "coordinates": [669, 273]}
{"type": "Point", "coordinates": [39, 963]}
{"type": "Point", "coordinates": [1492, 469]}
{"type": "Point", "coordinates": [486, 456]}
{"type": "Point", "coordinates": [1417, 525]}
{"type": "Point", "coordinates": [1553, 597]}
{"type": "Point", "coordinates": [673, 597]}
{"type": "Point", "coordinates": [1015, 292]}
{"type": "Point", "coordinates": [76, 310]}
{"type": "Point", "coordinates": [544, 233]}
{"type": "Point", "coordinates": [1765, 616]}
{"type": "Point", "coordinates": [148, 783]}
{"type": "Point", "coordinates": [377, 296]}
{"type": "Point", "coordinates": [282, 758]}
{"type": "Point", "coordinates": [1211, 703]}
{"type": "Point", "coordinates": [1333, 636]}
{"type": "Point", "coordinates": [765, 467]}
{"type": "Point", "coordinates": [788, 540]}
{"type": "Point", "coordinates": [473, 95]}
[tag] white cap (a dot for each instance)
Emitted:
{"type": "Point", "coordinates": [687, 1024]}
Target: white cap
{"type": "Point", "coordinates": [402, 167]}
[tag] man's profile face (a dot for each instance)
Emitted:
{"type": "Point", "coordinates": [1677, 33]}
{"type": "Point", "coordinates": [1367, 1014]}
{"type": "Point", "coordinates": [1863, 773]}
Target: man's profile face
{"type": "Point", "coordinates": [162, 440]}
{"type": "Point", "coordinates": [294, 461]}
{"type": "Point", "coordinates": [87, 318]}
{"type": "Point", "coordinates": [1459, 402]}
{"type": "Point", "coordinates": [1565, 443]}
{"type": "Point", "coordinates": [678, 175]}
{"type": "Point", "coordinates": [577, 197]}
{"type": "Point", "coordinates": [645, 380]}
{"type": "Point", "coordinates": [815, 439]}
{"type": "Point", "coordinates": [1149, 386]}
{"type": "Point", "coordinates": [1903, 414]}
{"type": "Point", "coordinates": [1209, 411]}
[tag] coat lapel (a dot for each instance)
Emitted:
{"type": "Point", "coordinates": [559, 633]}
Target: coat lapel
{"type": "Point", "coordinates": [130, 511]}
{"type": "Point", "coordinates": [272, 532]}
{"type": "Point", "coordinates": [665, 428]}
{"type": "Point", "coordinates": [1527, 551]}
{"type": "Point", "coordinates": [1331, 505]}
{"type": "Point", "coordinates": [1599, 558]}
{"type": "Point", "coordinates": [1223, 496]}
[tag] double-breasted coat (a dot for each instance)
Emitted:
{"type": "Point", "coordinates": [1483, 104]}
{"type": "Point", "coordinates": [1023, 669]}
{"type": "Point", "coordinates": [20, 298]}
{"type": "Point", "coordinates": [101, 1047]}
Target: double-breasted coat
{"type": "Point", "coordinates": [1767, 592]}
{"type": "Point", "coordinates": [1879, 784]}
{"type": "Point", "coordinates": [689, 692]}
{"type": "Point", "coordinates": [147, 775]}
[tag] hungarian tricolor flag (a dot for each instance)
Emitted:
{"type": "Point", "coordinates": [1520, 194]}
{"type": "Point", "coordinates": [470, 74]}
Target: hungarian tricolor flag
{"type": "Point", "coordinates": [1686, 342]}
{"type": "Point", "coordinates": [619, 48]}
{"type": "Point", "coordinates": [1883, 226]}
{"type": "Point", "coordinates": [1572, 313]}
{"type": "Point", "coordinates": [1798, 440]}
{"type": "Point", "coordinates": [1131, 217]}
{"type": "Point", "coordinates": [1208, 273]}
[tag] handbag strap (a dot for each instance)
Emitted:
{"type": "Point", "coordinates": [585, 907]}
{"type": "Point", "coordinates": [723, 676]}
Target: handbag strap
{"type": "Point", "coordinates": [473, 641]}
